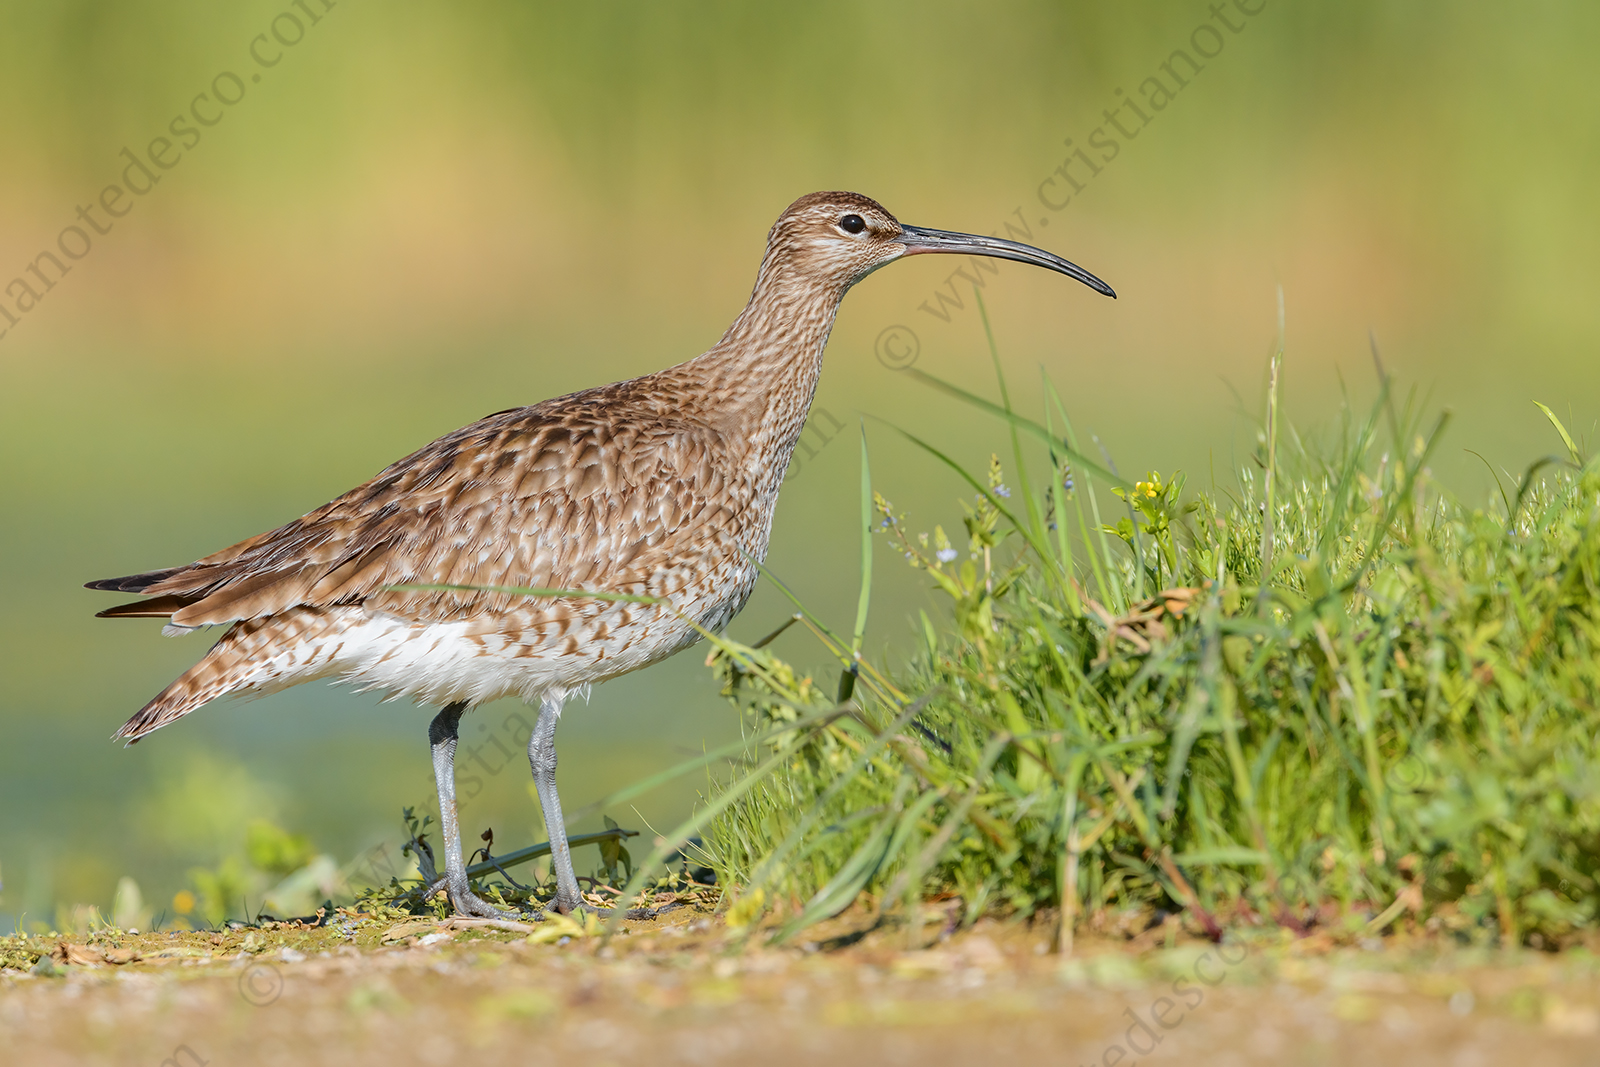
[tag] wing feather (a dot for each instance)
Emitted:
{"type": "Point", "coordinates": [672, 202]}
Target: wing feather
{"type": "Point", "coordinates": [554, 495]}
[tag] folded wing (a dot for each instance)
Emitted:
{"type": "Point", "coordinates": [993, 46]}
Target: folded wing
{"type": "Point", "coordinates": [559, 495]}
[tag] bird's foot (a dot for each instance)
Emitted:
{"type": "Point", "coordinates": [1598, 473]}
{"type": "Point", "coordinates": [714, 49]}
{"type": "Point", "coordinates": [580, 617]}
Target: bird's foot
{"type": "Point", "coordinates": [465, 902]}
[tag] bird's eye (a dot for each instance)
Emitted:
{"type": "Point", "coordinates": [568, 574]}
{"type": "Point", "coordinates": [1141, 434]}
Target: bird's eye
{"type": "Point", "coordinates": [852, 224]}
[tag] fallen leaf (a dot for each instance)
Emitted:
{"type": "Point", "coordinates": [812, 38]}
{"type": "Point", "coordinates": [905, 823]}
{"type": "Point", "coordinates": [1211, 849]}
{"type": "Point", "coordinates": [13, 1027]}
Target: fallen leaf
{"type": "Point", "coordinates": [77, 955]}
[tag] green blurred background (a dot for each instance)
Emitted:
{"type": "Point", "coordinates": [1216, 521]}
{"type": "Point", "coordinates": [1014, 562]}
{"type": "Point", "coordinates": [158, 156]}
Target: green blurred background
{"type": "Point", "coordinates": [427, 212]}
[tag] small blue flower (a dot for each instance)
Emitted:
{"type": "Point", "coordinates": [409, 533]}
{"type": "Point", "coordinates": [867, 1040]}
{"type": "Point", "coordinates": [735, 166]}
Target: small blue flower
{"type": "Point", "coordinates": [946, 555]}
{"type": "Point", "coordinates": [1002, 491]}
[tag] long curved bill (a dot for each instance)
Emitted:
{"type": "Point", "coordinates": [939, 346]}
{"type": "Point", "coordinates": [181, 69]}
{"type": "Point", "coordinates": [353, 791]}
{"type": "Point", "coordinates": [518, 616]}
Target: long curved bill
{"type": "Point", "coordinates": [919, 241]}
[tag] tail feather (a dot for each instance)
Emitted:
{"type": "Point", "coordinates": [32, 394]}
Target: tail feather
{"type": "Point", "coordinates": [160, 607]}
{"type": "Point", "coordinates": [249, 656]}
{"type": "Point", "coordinates": [198, 685]}
{"type": "Point", "coordinates": [133, 583]}
{"type": "Point", "coordinates": [228, 667]}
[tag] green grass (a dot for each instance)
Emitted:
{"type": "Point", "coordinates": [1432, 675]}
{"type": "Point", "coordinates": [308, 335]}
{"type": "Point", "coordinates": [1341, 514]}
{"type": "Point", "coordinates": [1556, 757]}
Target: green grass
{"type": "Point", "coordinates": [1329, 695]}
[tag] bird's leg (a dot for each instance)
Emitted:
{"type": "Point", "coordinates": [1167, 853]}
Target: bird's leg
{"type": "Point", "coordinates": [442, 736]}
{"type": "Point", "coordinates": [542, 757]}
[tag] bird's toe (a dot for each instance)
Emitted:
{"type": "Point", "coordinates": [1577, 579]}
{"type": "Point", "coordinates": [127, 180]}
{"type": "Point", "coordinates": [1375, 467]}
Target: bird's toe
{"type": "Point", "coordinates": [576, 908]}
{"type": "Point", "coordinates": [469, 904]}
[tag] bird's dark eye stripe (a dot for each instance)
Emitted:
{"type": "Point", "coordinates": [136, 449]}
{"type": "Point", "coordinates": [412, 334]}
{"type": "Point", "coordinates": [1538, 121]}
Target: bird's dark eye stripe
{"type": "Point", "coordinates": [852, 224]}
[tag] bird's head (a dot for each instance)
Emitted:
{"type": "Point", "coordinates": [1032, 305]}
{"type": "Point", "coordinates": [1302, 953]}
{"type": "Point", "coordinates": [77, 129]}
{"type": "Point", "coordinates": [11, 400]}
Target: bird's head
{"type": "Point", "coordinates": [839, 238]}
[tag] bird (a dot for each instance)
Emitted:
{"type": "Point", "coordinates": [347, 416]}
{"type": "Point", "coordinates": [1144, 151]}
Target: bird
{"type": "Point", "coordinates": [654, 494]}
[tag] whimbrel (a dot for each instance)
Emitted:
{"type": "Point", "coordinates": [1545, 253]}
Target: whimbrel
{"type": "Point", "coordinates": [660, 487]}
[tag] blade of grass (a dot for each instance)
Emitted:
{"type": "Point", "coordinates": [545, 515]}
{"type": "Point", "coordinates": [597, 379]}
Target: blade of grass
{"type": "Point", "coordinates": [1098, 560]}
{"type": "Point", "coordinates": [1023, 423]}
{"type": "Point", "coordinates": [628, 792]}
{"type": "Point", "coordinates": [530, 591]}
{"type": "Point", "coordinates": [1035, 520]}
{"type": "Point", "coordinates": [1060, 476]}
{"type": "Point", "coordinates": [1268, 516]}
{"type": "Point", "coordinates": [1566, 438]}
{"type": "Point", "coordinates": [1067, 880]}
{"type": "Point", "coordinates": [847, 679]}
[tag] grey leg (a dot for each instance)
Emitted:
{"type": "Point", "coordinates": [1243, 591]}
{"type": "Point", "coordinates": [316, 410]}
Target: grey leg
{"type": "Point", "coordinates": [442, 736]}
{"type": "Point", "coordinates": [542, 757]}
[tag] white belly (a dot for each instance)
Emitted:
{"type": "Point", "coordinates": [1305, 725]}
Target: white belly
{"type": "Point", "coordinates": [476, 661]}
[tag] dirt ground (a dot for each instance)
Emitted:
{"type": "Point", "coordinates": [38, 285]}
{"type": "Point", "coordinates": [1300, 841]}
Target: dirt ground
{"type": "Point", "coordinates": [671, 990]}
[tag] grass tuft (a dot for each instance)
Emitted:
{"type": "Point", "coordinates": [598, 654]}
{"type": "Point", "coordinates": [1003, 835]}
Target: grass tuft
{"type": "Point", "coordinates": [1331, 696]}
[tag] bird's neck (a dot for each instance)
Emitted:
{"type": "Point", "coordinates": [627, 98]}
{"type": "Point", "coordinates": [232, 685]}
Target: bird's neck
{"type": "Point", "coordinates": [764, 370]}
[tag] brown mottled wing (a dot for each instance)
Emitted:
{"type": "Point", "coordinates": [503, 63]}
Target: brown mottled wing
{"type": "Point", "coordinates": [597, 490]}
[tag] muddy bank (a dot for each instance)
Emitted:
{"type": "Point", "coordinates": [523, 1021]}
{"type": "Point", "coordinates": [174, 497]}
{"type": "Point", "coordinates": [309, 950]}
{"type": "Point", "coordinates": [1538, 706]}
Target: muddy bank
{"type": "Point", "coordinates": [670, 990]}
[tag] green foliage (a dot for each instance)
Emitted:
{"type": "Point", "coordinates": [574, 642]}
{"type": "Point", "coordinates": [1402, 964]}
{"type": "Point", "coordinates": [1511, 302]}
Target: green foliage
{"type": "Point", "coordinates": [614, 853]}
{"type": "Point", "coordinates": [274, 850]}
{"type": "Point", "coordinates": [220, 892]}
{"type": "Point", "coordinates": [1385, 701]}
{"type": "Point", "coordinates": [278, 872]}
